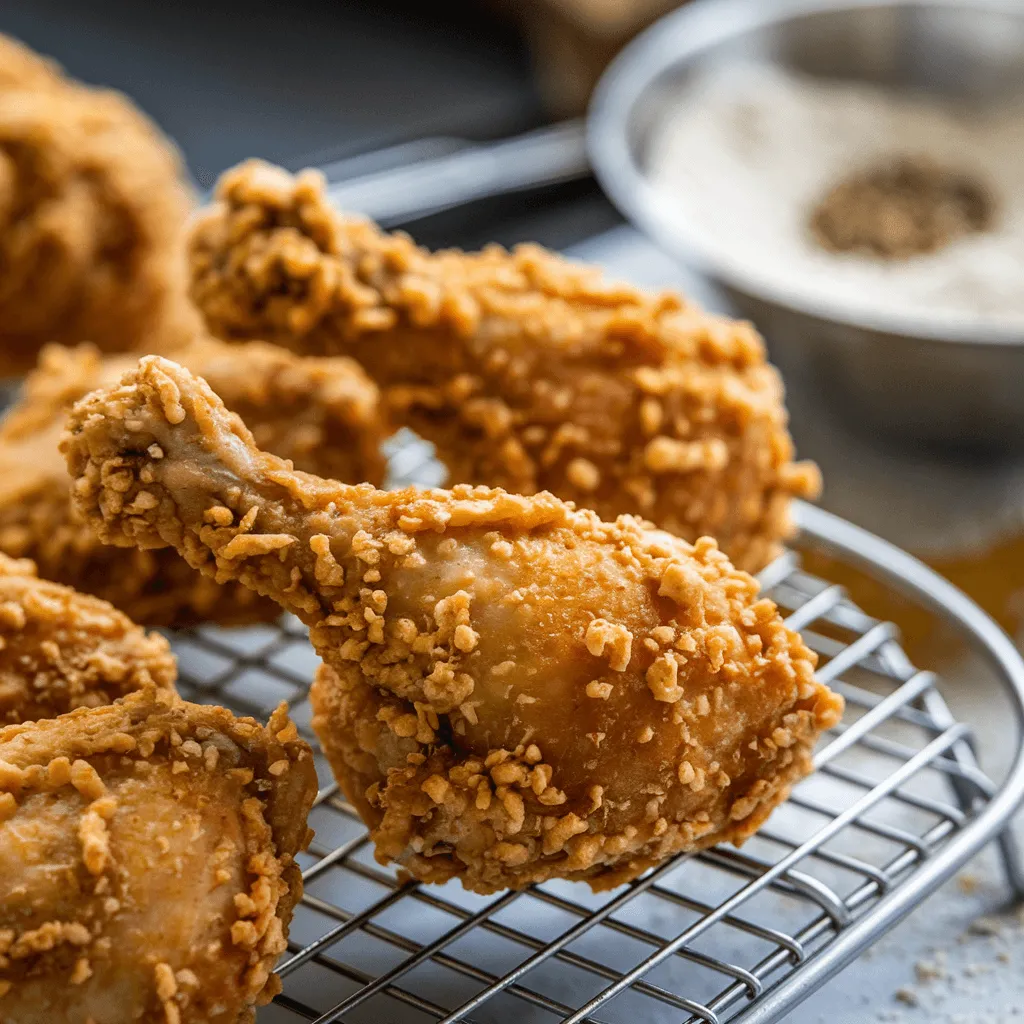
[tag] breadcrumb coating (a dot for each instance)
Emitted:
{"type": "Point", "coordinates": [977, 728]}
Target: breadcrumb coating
{"type": "Point", "coordinates": [93, 208]}
{"type": "Point", "coordinates": [61, 650]}
{"type": "Point", "coordinates": [147, 868]}
{"type": "Point", "coordinates": [513, 690]}
{"type": "Point", "coordinates": [22, 68]}
{"type": "Point", "coordinates": [322, 413]}
{"type": "Point", "coordinates": [528, 372]}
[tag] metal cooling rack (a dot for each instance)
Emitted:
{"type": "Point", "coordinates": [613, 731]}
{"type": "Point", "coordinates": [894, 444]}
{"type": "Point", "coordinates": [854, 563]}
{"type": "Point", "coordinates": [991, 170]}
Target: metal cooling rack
{"type": "Point", "coordinates": [897, 805]}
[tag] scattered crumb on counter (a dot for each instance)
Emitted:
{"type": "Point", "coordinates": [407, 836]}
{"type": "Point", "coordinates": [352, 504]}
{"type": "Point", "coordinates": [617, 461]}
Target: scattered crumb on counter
{"type": "Point", "coordinates": [907, 996]}
{"type": "Point", "coordinates": [987, 926]}
{"type": "Point", "coordinates": [968, 883]}
{"type": "Point", "coordinates": [931, 970]}
{"type": "Point", "coordinates": [991, 940]}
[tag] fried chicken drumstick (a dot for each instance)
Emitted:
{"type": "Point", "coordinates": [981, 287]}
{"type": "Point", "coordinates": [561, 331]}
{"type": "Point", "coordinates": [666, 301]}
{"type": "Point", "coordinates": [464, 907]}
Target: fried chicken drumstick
{"type": "Point", "coordinates": [147, 868]}
{"type": "Point", "coordinates": [22, 68]}
{"type": "Point", "coordinates": [527, 372]}
{"type": "Point", "coordinates": [513, 690]}
{"type": "Point", "coordinates": [61, 650]}
{"type": "Point", "coordinates": [93, 209]}
{"type": "Point", "coordinates": [322, 413]}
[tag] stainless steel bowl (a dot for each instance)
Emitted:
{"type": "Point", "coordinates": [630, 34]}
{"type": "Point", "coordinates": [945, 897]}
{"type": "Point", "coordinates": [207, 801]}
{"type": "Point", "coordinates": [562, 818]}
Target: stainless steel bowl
{"type": "Point", "coordinates": [961, 382]}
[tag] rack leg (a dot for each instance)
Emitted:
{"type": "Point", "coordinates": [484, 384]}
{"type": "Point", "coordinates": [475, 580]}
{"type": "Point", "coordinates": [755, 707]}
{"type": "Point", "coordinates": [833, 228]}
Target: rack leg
{"type": "Point", "coordinates": [1013, 865]}
{"type": "Point", "coordinates": [969, 792]}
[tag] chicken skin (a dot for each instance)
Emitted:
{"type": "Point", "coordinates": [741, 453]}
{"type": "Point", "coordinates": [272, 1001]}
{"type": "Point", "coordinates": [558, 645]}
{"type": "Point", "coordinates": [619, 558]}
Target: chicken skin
{"type": "Point", "coordinates": [513, 690]}
{"type": "Point", "coordinates": [93, 208]}
{"type": "Point", "coordinates": [527, 372]}
{"type": "Point", "coordinates": [147, 862]}
{"type": "Point", "coordinates": [61, 650]}
{"type": "Point", "coordinates": [322, 413]}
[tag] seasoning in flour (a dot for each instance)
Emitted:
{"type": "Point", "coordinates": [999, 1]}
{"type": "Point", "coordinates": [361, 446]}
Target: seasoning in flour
{"type": "Point", "coordinates": [903, 208]}
{"type": "Point", "coordinates": [871, 201]}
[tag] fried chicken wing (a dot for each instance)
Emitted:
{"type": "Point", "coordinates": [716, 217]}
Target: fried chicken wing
{"type": "Point", "coordinates": [147, 867]}
{"type": "Point", "coordinates": [92, 217]}
{"type": "Point", "coordinates": [513, 690]}
{"type": "Point", "coordinates": [322, 413]}
{"type": "Point", "coordinates": [61, 650]}
{"type": "Point", "coordinates": [527, 372]}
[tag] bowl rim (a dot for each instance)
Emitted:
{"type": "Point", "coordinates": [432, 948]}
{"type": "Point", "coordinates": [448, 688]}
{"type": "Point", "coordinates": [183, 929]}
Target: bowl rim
{"type": "Point", "coordinates": [672, 41]}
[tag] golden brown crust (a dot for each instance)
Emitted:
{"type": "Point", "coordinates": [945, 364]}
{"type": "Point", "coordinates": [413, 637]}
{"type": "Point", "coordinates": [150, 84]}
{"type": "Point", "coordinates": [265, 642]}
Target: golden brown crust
{"type": "Point", "coordinates": [527, 372]}
{"type": "Point", "coordinates": [61, 650]}
{"type": "Point", "coordinates": [92, 215]}
{"type": "Point", "coordinates": [322, 413]}
{"type": "Point", "coordinates": [176, 828]}
{"type": "Point", "coordinates": [22, 68]}
{"type": "Point", "coordinates": [515, 690]}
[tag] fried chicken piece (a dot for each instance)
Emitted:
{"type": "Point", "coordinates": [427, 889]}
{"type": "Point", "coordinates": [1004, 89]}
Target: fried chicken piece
{"type": "Point", "coordinates": [322, 413]}
{"type": "Point", "coordinates": [147, 862]}
{"type": "Point", "coordinates": [93, 208]}
{"type": "Point", "coordinates": [22, 68]}
{"type": "Point", "coordinates": [513, 690]}
{"type": "Point", "coordinates": [61, 650]}
{"type": "Point", "coordinates": [527, 372]}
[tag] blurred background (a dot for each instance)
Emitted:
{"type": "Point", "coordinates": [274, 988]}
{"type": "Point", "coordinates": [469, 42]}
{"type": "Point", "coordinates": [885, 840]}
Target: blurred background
{"type": "Point", "coordinates": [321, 83]}
{"type": "Point", "coordinates": [314, 82]}
{"type": "Point", "coordinates": [917, 419]}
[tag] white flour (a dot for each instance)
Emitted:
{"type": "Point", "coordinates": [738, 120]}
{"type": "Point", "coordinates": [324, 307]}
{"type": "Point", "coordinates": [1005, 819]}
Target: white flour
{"type": "Point", "coordinates": [746, 153]}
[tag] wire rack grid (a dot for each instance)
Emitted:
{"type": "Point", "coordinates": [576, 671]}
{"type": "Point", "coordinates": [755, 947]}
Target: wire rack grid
{"type": "Point", "coordinates": [897, 804]}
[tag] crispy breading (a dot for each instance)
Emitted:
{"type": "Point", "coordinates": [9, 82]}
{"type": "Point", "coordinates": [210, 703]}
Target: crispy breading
{"type": "Point", "coordinates": [513, 689]}
{"type": "Point", "coordinates": [527, 372]}
{"type": "Point", "coordinates": [22, 68]}
{"type": "Point", "coordinates": [93, 208]}
{"type": "Point", "coordinates": [147, 862]}
{"type": "Point", "coordinates": [61, 650]}
{"type": "Point", "coordinates": [322, 413]}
